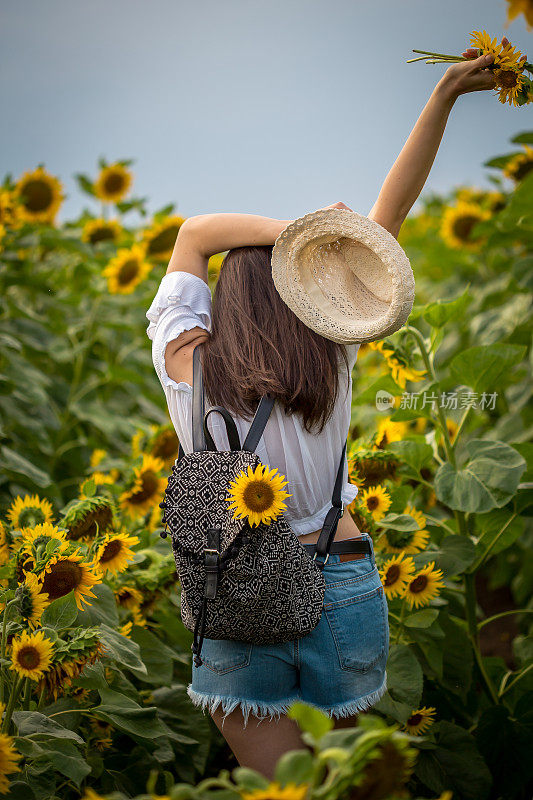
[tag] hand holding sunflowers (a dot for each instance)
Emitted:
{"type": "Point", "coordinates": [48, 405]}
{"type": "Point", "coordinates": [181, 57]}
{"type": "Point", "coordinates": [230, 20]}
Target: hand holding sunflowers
{"type": "Point", "coordinates": [486, 64]}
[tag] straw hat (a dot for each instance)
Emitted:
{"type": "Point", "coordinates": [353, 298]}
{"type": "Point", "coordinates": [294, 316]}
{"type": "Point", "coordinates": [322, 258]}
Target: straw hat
{"type": "Point", "coordinates": [344, 275]}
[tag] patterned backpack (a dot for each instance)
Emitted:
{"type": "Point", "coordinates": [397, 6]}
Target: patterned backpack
{"type": "Point", "coordinates": [250, 583]}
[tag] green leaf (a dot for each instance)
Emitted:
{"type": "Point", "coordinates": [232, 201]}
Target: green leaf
{"type": "Point", "coordinates": [156, 656]}
{"type": "Point", "coordinates": [310, 719]}
{"type": "Point", "coordinates": [455, 553]}
{"type": "Point", "coordinates": [296, 766]}
{"type": "Point", "coordinates": [440, 312]}
{"type": "Point", "coordinates": [404, 675]}
{"type": "Point", "coordinates": [422, 619]}
{"type": "Point", "coordinates": [488, 481]}
{"type": "Point", "coordinates": [32, 722]}
{"type": "Point", "coordinates": [399, 522]}
{"type": "Point", "coordinates": [454, 764]}
{"type": "Point", "coordinates": [103, 609]}
{"type": "Point", "coordinates": [497, 531]}
{"type": "Point", "coordinates": [414, 452]}
{"type": "Point", "coordinates": [126, 652]}
{"type": "Point", "coordinates": [129, 716]}
{"type": "Point", "coordinates": [85, 184]}
{"type": "Point", "coordinates": [14, 462]}
{"type": "Point", "coordinates": [61, 613]}
{"type": "Point", "coordinates": [485, 368]}
{"type": "Point", "coordinates": [248, 779]}
{"type": "Point", "coordinates": [65, 758]}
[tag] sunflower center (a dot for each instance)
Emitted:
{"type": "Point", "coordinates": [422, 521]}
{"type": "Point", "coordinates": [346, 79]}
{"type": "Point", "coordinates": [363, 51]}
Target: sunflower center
{"type": "Point", "coordinates": [37, 196]}
{"type": "Point", "coordinates": [393, 574]}
{"type": "Point", "coordinates": [463, 226]}
{"type": "Point", "coordinates": [149, 487]}
{"type": "Point", "coordinates": [102, 234]}
{"type": "Point", "coordinates": [508, 78]}
{"type": "Point", "coordinates": [86, 526]}
{"type": "Point", "coordinates": [165, 446]}
{"type": "Point", "coordinates": [62, 578]}
{"type": "Point", "coordinates": [372, 503]}
{"type": "Point", "coordinates": [524, 168]}
{"type": "Point", "coordinates": [258, 496]}
{"type": "Point", "coordinates": [419, 584]}
{"type": "Point", "coordinates": [164, 240]}
{"type": "Point", "coordinates": [399, 539]}
{"type": "Point", "coordinates": [29, 517]}
{"type": "Point", "coordinates": [29, 657]}
{"type": "Point", "coordinates": [114, 183]}
{"type": "Point", "coordinates": [415, 719]}
{"type": "Point", "coordinates": [111, 549]}
{"type": "Point", "coordinates": [128, 271]}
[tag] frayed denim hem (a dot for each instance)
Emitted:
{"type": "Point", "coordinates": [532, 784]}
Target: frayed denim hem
{"type": "Point", "coordinates": [229, 704]}
{"type": "Point", "coordinates": [354, 706]}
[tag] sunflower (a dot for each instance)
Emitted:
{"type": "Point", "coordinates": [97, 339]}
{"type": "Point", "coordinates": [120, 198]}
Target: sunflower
{"type": "Point", "coordinates": [29, 511]}
{"type": "Point", "coordinates": [148, 487]}
{"type": "Point", "coordinates": [420, 720]}
{"type": "Point", "coordinates": [214, 266]}
{"type": "Point", "coordinates": [31, 654]}
{"type": "Point", "coordinates": [519, 165]}
{"type": "Point", "coordinates": [9, 212]}
{"type": "Point", "coordinates": [274, 791]}
{"type": "Point", "coordinates": [374, 465]}
{"type": "Point", "coordinates": [405, 541]}
{"type": "Point", "coordinates": [102, 732]}
{"type": "Point", "coordinates": [486, 45]}
{"type": "Point", "coordinates": [510, 83]}
{"type": "Point", "coordinates": [492, 200]}
{"type": "Point", "coordinates": [258, 495]}
{"type": "Point", "coordinates": [459, 221]}
{"type": "Point", "coordinates": [423, 586]}
{"type": "Point", "coordinates": [39, 195]}
{"type": "Point", "coordinates": [84, 648]}
{"type": "Point", "coordinates": [101, 230]}
{"type": "Point", "coordinates": [8, 759]}
{"type": "Point", "coordinates": [165, 445]}
{"type": "Point", "coordinates": [516, 7]}
{"type": "Point", "coordinates": [113, 183]}
{"type": "Point", "coordinates": [115, 552]}
{"type": "Point", "coordinates": [88, 517]}
{"type": "Point", "coordinates": [377, 501]}
{"type": "Point", "coordinates": [396, 573]}
{"type": "Point", "coordinates": [38, 543]}
{"type": "Point", "coordinates": [159, 240]}
{"type": "Point", "coordinates": [402, 372]}
{"type": "Point", "coordinates": [389, 431]}
{"type": "Point", "coordinates": [128, 597]}
{"type": "Point", "coordinates": [66, 573]}
{"type": "Point", "coordinates": [97, 456]}
{"type": "Point", "coordinates": [126, 270]}
{"type": "Point", "coordinates": [31, 601]}
{"type": "Point", "coordinates": [99, 479]}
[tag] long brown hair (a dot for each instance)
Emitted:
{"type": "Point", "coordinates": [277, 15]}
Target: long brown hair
{"type": "Point", "coordinates": [258, 345]}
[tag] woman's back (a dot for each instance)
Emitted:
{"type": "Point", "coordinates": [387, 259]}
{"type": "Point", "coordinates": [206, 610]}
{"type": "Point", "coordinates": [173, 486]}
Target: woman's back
{"type": "Point", "coordinates": [309, 461]}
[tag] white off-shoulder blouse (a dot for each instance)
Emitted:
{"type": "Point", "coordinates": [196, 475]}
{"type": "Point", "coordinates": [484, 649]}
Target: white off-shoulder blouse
{"type": "Point", "coordinates": [308, 461]}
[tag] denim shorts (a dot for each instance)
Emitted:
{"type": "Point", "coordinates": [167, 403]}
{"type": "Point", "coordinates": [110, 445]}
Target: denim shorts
{"type": "Point", "coordinates": [339, 667]}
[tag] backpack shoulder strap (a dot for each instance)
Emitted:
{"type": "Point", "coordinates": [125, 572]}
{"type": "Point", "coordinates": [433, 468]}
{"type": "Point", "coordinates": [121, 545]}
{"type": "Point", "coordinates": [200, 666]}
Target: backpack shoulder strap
{"type": "Point", "coordinates": [198, 436]}
{"type": "Point", "coordinates": [259, 422]}
{"type": "Point", "coordinates": [329, 528]}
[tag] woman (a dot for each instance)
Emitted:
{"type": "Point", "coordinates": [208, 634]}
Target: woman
{"type": "Point", "coordinates": [252, 343]}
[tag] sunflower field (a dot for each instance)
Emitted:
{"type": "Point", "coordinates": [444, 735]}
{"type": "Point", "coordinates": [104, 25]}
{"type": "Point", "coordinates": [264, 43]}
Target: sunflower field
{"type": "Point", "coordinates": [94, 660]}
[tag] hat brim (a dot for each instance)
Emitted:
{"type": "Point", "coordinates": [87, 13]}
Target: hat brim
{"type": "Point", "coordinates": [367, 299]}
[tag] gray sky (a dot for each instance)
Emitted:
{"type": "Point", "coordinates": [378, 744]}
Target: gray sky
{"type": "Point", "coordinates": [271, 108]}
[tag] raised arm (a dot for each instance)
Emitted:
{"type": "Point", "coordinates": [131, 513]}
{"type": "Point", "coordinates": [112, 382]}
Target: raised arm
{"type": "Point", "coordinates": [205, 235]}
{"type": "Point", "coordinates": [408, 174]}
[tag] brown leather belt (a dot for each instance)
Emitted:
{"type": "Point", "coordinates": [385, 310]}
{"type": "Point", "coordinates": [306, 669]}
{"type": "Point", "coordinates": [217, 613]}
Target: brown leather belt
{"type": "Point", "coordinates": [346, 549]}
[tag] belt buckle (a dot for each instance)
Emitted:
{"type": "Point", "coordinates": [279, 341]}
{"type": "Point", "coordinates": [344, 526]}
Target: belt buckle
{"type": "Point", "coordinates": [325, 560]}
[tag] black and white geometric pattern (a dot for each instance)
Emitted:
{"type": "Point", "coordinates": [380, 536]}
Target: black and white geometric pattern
{"type": "Point", "coordinates": [270, 591]}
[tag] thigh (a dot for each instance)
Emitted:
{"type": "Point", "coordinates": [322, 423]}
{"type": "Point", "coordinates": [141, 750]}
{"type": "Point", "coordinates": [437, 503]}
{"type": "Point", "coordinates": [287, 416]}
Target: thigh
{"type": "Point", "coordinates": [262, 742]}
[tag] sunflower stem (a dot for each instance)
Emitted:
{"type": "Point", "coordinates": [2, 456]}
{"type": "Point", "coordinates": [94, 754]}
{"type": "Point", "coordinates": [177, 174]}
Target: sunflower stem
{"type": "Point", "coordinates": [3, 648]}
{"type": "Point", "coordinates": [27, 695]}
{"type": "Point", "coordinates": [473, 632]}
{"type": "Point", "coordinates": [13, 697]}
{"type": "Point", "coordinates": [400, 622]}
{"type": "Point", "coordinates": [40, 702]}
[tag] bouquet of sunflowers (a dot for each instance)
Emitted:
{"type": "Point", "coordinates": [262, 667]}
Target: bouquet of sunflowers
{"type": "Point", "coordinates": [509, 66]}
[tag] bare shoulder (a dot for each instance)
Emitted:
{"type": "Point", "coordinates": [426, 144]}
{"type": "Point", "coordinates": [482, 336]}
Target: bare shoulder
{"type": "Point", "coordinates": [178, 354]}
